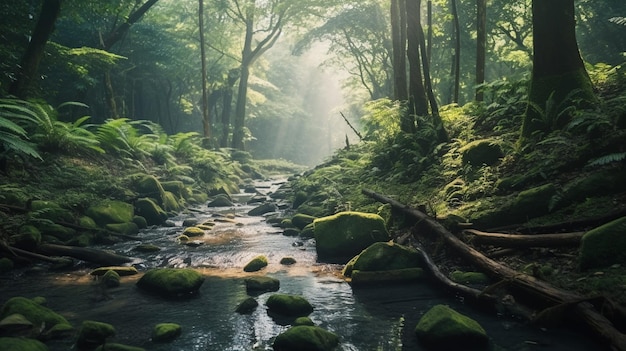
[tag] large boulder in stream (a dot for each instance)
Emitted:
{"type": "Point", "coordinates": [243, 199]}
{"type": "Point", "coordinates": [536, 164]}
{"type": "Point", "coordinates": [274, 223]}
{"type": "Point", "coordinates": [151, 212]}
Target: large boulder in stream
{"type": "Point", "coordinates": [151, 211]}
{"type": "Point", "coordinates": [38, 315]}
{"type": "Point", "coordinates": [171, 281]}
{"type": "Point", "coordinates": [93, 333]}
{"type": "Point", "coordinates": [306, 338]}
{"type": "Point", "coordinates": [289, 305]}
{"type": "Point", "coordinates": [345, 234]}
{"type": "Point", "coordinates": [384, 262]}
{"type": "Point", "coordinates": [256, 264]}
{"type": "Point", "coordinates": [443, 328]}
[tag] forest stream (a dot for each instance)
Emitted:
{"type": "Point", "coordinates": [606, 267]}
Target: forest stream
{"type": "Point", "coordinates": [373, 318]}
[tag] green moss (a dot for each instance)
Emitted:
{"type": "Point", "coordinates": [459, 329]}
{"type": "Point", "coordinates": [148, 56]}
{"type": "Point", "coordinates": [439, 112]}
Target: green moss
{"type": "Point", "coordinates": [256, 264]}
{"type": "Point", "coordinates": [93, 333]}
{"type": "Point", "coordinates": [111, 211]}
{"type": "Point", "coordinates": [345, 234]}
{"type": "Point", "coordinates": [140, 222]}
{"type": "Point", "coordinates": [303, 321]}
{"type": "Point", "coordinates": [287, 261]}
{"type": "Point", "coordinates": [306, 338]}
{"type": "Point", "coordinates": [21, 344]}
{"type": "Point", "coordinates": [150, 210]}
{"type": "Point", "coordinates": [443, 328]}
{"type": "Point", "coordinates": [469, 277]}
{"type": "Point", "coordinates": [56, 230]}
{"type": "Point", "coordinates": [166, 332]}
{"type": "Point", "coordinates": [87, 222]}
{"type": "Point", "coordinates": [479, 152]}
{"type": "Point", "coordinates": [170, 202]}
{"type": "Point", "coordinates": [193, 232]}
{"type": "Point", "coordinates": [604, 245]}
{"type": "Point", "coordinates": [301, 220]}
{"type": "Point", "coordinates": [262, 283]}
{"type": "Point", "coordinates": [50, 210]}
{"type": "Point", "coordinates": [34, 312]}
{"type": "Point", "coordinates": [384, 256]}
{"type": "Point", "coordinates": [247, 306]}
{"type": "Point", "coordinates": [111, 279]}
{"type": "Point", "coordinates": [128, 228]}
{"type": "Point", "coordinates": [289, 305]}
{"type": "Point", "coordinates": [147, 248]}
{"type": "Point", "coordinates": [171, 281]}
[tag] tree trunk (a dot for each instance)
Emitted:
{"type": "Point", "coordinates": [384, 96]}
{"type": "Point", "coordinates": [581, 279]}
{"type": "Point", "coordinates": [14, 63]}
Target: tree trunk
{"type": "Point", "coordinates": [29, 64]}
{"type": "Point", "coordinates": [524, 240]}
{"type": "Point", "coordinates": [456, 65]}
{"type": "Point", "coordinates": [227, 100]}
{"type": "Point", "coordinates": [558, 70]}
{"type": "Point", "coordinates": [398, 39]}
{"type": "Point", "coordinates": [481, 45]}
{"type": "Point", "coordinates": [418, 102]}
{"type": "Point", "coordinates": [206, 122]}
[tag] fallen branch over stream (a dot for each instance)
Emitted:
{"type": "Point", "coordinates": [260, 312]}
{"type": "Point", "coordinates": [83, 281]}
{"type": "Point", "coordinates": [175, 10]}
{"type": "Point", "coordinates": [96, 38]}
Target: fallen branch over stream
{"type": "Point", "coordinates": [85, 254]}
{"type": "Point", "coordinates": [541, 291]}
{"type": "Point", "coordinates": [524, 240]}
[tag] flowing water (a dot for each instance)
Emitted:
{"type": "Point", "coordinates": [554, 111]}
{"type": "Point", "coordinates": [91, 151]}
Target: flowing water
{"type": "Point", "coordinates": [376, 318]}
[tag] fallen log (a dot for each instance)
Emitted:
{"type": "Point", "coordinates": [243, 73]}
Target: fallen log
{"type": "Point", "coordinates": [85, 254]}
{"type": "Point", "coordinates": [542, 291]}
{"type": "Point", "coordinates": [24, 253]}
{"type": "Point", "coordinates": [523, 240]}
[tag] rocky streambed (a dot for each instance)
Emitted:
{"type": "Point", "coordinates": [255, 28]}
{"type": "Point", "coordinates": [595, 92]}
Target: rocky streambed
{"type": "Point", "coordinates": [379, 317]}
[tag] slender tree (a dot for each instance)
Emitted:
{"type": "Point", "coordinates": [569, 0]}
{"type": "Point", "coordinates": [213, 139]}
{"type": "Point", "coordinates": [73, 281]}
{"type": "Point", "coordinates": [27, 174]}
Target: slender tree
{"type": "Point", "coordinates": [418, 102]}
{"type": "Point", "coordinates": [206, 122]}
{"type": "Point", "coordinates": [398, 36]}
{"type": "Point", "coordinates": [29, 64]}
{"type": "Point", "coordinates": [559, 77]}
{"type": "Point", "coordinates": [481, 45]}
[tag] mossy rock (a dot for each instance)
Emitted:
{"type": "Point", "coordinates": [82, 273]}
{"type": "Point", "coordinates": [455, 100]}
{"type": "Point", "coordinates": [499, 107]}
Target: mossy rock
{"type": "Point", "coordinates": [121, 270]}
{"type": "Point", "coordinates": [151, 211]}
{"type": "Point", "coordinates": [193, 232]}
{"type": "Point", "coordinates": [87, 222]}
{"type": "Point", "coordinates": [301, 220]}
{"type": "Point", "coordinates": [21, 344]}
{"type": "Point", "coordinates": [308, 232]}
{"type": "Point", "coordinates": [166, 332]}
{"type": "Point", "coordinates": [289, 305]}
{"type": "Point", "coordinates": [383, 256]}
{"type": "Point", "coordinates": [50, 210]}
{"type": "Point", "coordinates": [256, 264]}
{"type": "Point", "coordinates": [469, 277]}
{"type": "Point", "coordinates": [110, 279]}
{"type": "Point", "coordinates": [291, 232]}
{"type": "Point", "coordinates": [299, 198]}
{"type": "Point", "coordinates": [128, 228]}
{"type": "Point", "coordinates": [222, 200]}
{"type": "Point", "coordinates": [171, 281]}
{"type": "Point", "coordinates": [303, 321]}
{"type": "Point", "coordinates": [93, 333]}
{"type": "Point", "coordinates": [56, 230]}
{"type": "Point", "coordinates": [604, 246]}
{"type": "Point", "coordinates": [606, 182]}
{"type": "Point", "coordinates": [34, 312]}
{"type": "Point", "coordinates": [345, 234]}
{"type": "Point", "coordinates": [147, 184]}
{"type": "Point", "coordinates": [479, 152]}
{"type": "Point", "coordinates": [262, 284]}
{"type": "Point", "coordinates": [28, 238]}
{"type": "Point", "coordinates": [118, 347]}
{"type": "Point", "coordinates": [170, 202]}
{"type": "Point", "coordinates": [247, 306]}
{"type": "Point", "coordinates": [176, 187]}
{"type": "Point", "coordinates": [286, 223]}
{"type": "Point", "coordinates": [312, 210]}
{"type": "Point", "coordinates": [404, 275]}
{"type": "Point", "coordinates": [287, 261]}
{"type": "Point", "coordinates": [111, 211]}
{"type": "Point", "coordinates": [140, 222]}
{"type": "Point", "coordinates": [306, 338]}
{"type": "Point", "coordinates": [444, 328]}
{"type": "Point", "coordinates": [531, 203]}
{"type": "Point", "coordinates": [262, 209]}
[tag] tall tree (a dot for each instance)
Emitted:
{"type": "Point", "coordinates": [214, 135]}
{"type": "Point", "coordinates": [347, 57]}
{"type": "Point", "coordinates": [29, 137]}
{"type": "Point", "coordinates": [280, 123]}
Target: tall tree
{"type": "Point", "coordinates": [559, 77]}
{"type": "Point", "coordinates": [456, 58]}
{"type": "Point", "coordinates": [481, 45]}
{"type": "Point", "coordinates": [206, 122]}
{"type": "Point", "coordinates": [29, 64]}
{"type": "Point", "coordinates": [418, 102]}
{"type": "Point", "coordinates": [398, 35]}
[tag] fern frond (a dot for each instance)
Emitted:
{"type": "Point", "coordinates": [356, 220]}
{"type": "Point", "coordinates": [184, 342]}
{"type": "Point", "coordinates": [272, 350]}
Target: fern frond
{"type": "Point", "coordinates": [606, 159]}
{"type": "Point", "coordinates": [618, 20]}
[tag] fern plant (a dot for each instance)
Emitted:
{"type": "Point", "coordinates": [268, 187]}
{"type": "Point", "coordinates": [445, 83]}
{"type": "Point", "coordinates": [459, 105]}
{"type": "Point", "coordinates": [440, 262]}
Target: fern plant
{"type": "Point", "coordinates": [14, 116]}
{"type": "Point", "coordinates": [555, 113]}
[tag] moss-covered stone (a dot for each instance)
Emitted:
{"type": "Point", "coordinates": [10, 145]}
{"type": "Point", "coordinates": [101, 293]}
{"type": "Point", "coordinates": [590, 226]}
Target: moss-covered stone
{"type": "Point", "coordinates": [34, 312]}
{"type": "Point", "coordinates": [479, 152]}
{"type": "Point", "coordinates": [121, 270]}
{"type": "Point", "coordinates": [289, 305]}
{"type": "Point", "coordinates": [171, 281]}
{"type": "Point", "coordinates": [193, 232]}
{"type": "Point", "coordinates": [87, 222]}
{"type": "Point", "coordinates": [111, 211]}
{"type": "Point", "coordinates": [444, 328]}
{"type": "Point", "coordinates": [56, 230]}
{"type": "Point", "coordinates": [147, 185]}
{"type": "Point", "coordinates": [383, 256]}
{"type": "Point", "coordinates": [151, 211]}
{"type": "Point", "coordinates": [605, 182]}
{"type": "Point", "coordinates": [291, 232]}
{"type": "Point", "coordinates": [345, 234]}
{"type": "Point", "coordinates": [604, 245]}
{"type": "Point", "coordinates": [306, 338]}
{"type": "Point", "coordinates": [21, 344]}
{"type": "Point", "coordinates": [176, 187]}
{"type": "Point", "coordinates": [93, 333]}
{"type": "Point", "coordinates": [308, 232]}
{"type": "Point", "coordinates": [147, 248]}
{"type": "Point", "coordinates": [261, 284]}
{"type": "Point", "coordinates": [110, 279]}
{"type": "Point", "coordinates": [166, 332]}
{"type": "Point", "coordinates": [222, 200]}
{"type": "Point", "coordinates": [128, 228]}
{"type": "Point", "coordinates": [256, 264]}
{"type": "Point", "coordinates": [247, 306]}
{"type": "Point", "coordinates": [262, 209]}
{"type": "Point", "coordinates": [469, 277]}
{"type": "Point", "coordinates": [170, 202]}
{"type": "Point", "coordinates": [303, 321]}
{"type": "Point", "coordinates": [287, 261]}
{"type": "Point", "coordinates": [140, 222]}
{"type": "Point", "coordinates": [532, 203]}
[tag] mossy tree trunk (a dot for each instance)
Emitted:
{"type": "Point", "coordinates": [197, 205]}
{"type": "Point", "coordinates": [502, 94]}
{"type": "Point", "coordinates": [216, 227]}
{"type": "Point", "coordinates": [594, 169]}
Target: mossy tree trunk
{"type": "Point", "coordinates": [559, 78]}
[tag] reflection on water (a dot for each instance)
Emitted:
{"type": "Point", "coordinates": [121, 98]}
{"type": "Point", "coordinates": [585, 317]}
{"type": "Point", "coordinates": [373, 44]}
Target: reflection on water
{"type": "Point", "coordinates": [381, 318]}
